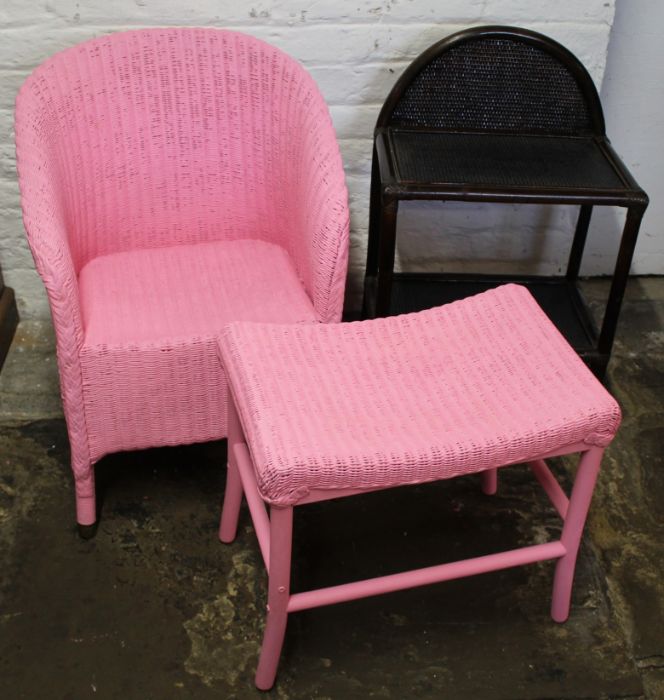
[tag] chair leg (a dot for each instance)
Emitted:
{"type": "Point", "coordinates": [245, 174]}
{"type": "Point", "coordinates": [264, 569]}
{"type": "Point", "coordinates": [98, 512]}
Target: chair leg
{"type": "Point", "coordinates": [86, 502]}
{"type": "Point", "coordinates": [575, 519]}
{"type": "Point", "coordinates": [490, 481]}
{"type": "Point", "coordinates": [230, 512]}
{"type": "Point", "coordinates": [281, 535]}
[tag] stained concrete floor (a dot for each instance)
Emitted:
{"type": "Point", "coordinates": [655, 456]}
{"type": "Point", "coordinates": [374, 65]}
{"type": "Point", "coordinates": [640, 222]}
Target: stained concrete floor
{"type": "Point", "coordinates": [156, 608]}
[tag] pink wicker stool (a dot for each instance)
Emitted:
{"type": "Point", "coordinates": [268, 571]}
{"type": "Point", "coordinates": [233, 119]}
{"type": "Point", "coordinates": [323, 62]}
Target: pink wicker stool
{"type": "Point", "coordinates": [324, 411]}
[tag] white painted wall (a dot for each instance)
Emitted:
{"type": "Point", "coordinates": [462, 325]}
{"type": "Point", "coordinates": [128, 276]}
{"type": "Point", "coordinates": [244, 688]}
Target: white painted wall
{"type": "Point", "coordinates": [355, 49]}
{"type": "Point", "coordinates": [633, 98]}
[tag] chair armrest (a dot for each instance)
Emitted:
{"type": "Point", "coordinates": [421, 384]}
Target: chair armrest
{"type": "Point", "coordinates": [43, 199]}
{"type": "Point", "coordinates": [44, 220]}
{"type": "Point", "coordinates": [318, 232]}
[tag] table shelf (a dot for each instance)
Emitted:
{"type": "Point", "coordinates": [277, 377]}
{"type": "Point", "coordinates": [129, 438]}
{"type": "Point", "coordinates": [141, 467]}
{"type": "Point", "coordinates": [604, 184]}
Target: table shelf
{"type": "Point", "coordinates": [422, 164]}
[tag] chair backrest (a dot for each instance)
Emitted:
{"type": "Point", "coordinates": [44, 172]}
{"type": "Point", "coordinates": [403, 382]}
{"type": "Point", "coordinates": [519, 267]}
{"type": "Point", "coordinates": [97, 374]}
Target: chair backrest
{"type": "Point", "coordinates": [166, 136]}
{"type": "Point", "coordinates": [497, 79]}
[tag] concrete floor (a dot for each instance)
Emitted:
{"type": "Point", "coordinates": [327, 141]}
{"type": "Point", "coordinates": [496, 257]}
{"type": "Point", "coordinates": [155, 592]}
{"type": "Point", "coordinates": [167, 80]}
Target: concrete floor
{"type": "Point", "coordinates": [156, 608]}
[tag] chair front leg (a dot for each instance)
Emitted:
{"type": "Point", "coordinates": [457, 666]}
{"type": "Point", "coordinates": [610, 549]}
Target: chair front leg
{"type": "Point", "coordinates": [281, 538]}
{"type": "Point", "coordinates": [86, 499]}
{"type": "Point", "coordinates": [84, 482]}
{"type": "Point", "coordinates": [579, 503]}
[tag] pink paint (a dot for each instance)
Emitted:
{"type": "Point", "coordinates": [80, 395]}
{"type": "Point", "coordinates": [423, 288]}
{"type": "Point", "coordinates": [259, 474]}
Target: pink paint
{"type": "Point", "coordinates": [553, 490]}
{"type": "Point", "coordinates": [173, 180]}
{"type": "Point", "coordinates": [332, 411]}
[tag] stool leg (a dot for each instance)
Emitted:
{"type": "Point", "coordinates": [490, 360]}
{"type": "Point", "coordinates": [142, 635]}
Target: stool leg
{"type": "Point", "coordinates": [230, 513]}
{"type": "Point", "coordinates": [281, 536]}
{"type": "Point", "coordinates": [575, 519]}
{"type": "Point", "coordinates": [490, 481]}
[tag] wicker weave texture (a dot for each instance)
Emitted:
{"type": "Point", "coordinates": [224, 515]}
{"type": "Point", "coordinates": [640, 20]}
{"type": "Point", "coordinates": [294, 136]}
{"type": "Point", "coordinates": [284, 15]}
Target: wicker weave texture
{"type": "Point", "coordinates": [124, 353]}
{"type": "Point", "coordinates": [495, 84]}
{"type": "Point", "coordinates": [476, 384]}
{"type": "Point", "coordinates": [158, 138]}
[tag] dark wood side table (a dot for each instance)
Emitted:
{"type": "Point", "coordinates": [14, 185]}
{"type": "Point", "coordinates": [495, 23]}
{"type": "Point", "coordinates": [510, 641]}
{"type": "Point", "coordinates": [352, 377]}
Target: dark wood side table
{"type": "Point", "coordinates": [474, 154]}
{"type": "Point", "coordinates": [8, 319]}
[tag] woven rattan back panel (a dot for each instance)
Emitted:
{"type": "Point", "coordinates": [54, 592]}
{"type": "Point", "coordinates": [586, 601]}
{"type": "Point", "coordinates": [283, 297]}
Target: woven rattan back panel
{"type": "Point", "coordinates": [495, 84]}
{"type": "Point", "coordinates": [171, 136]}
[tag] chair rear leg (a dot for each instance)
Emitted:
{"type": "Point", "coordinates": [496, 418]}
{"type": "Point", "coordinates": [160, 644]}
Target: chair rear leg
{"type": "Point", "coordinates": [281, 534]}
{"type": "Point", "coordinates": [575, 519]}
{"type": "Point", "coordinates": [489, 481]}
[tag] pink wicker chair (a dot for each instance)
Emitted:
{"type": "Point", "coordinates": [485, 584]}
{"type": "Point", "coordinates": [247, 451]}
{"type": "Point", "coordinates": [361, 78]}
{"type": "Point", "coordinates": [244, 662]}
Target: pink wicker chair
{"type": "Point", "coordinates": [172, 180]}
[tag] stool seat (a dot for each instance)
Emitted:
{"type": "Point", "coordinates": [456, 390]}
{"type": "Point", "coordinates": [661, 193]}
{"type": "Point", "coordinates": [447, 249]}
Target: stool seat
{"type": "Point", "coordinates": [473, 385]}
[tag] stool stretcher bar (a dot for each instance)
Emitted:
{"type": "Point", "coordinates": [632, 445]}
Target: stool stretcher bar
{"type": "Point", "coordinates": [551, 486]}
{"type": "Point", "coordinates": [426, 576]}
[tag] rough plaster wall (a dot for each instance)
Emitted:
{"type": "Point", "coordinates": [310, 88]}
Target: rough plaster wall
{"type": "Point", "coordinates": [355, 49]}
{"type": "Point", "coordinates": [633, 99]}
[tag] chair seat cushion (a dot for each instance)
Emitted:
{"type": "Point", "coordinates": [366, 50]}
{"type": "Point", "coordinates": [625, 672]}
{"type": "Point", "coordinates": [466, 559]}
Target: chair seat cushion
{"type": "Point", "coordinates": [150, 367]}
{"type": "Point", "coordinates": [185, 291]}
{"type": "Point", "coordinates": [476, 384]}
